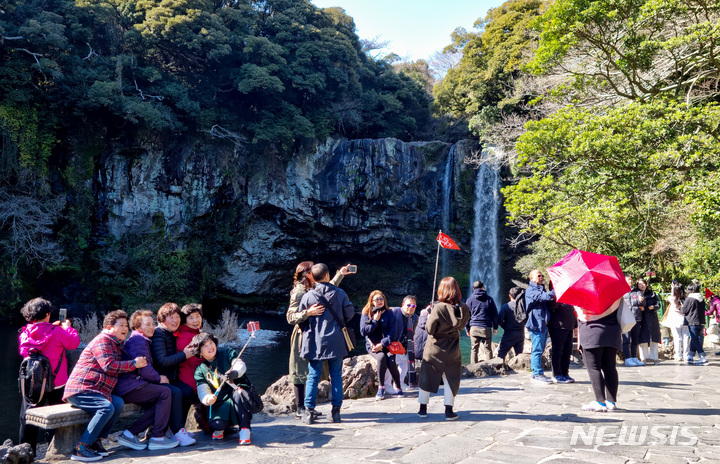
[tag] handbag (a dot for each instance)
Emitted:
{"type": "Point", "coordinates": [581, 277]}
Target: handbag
{"type": "Point", "coordinates": [250, 399]}
{"type": "Point", "coordinates": [626, 319]}
{"type": "Point", "coordinates": [396, 348]}
{"type": "Point", "coordinates": [348, 334]}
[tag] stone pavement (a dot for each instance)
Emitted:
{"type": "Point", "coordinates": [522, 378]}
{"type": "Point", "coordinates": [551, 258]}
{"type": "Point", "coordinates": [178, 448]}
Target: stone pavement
{"type": "Point", "coordinates": [669, 414]}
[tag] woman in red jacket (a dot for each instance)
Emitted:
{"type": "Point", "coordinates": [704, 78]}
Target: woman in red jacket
{"type": "Point", "coordinates": [191, 319]}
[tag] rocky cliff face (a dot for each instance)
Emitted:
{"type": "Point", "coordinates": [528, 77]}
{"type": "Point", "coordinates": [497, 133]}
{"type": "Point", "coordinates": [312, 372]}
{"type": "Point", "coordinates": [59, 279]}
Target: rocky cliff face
{"type": "Point", "coordinates": [378, 203]}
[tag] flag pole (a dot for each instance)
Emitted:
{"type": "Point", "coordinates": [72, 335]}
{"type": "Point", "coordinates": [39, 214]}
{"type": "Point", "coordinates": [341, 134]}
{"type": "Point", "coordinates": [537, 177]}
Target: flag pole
{"type": "Point", "coordinates": [437, 258]}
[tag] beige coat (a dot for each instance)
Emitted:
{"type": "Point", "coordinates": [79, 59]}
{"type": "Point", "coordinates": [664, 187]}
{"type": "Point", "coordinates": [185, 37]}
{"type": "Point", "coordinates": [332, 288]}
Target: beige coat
{"type": "Point", "coordinates": [298, 367]}
{"type": "Point", "coordinates": [442, 349]}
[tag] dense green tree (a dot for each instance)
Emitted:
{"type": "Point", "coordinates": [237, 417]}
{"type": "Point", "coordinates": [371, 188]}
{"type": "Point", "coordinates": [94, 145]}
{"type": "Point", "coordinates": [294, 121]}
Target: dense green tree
{"type": "Point", "coordinates": [629, 167]}
{"type": "Point", "coordinates": [621, 183]}
{"type": "Point", "coordinates": [633, 49]}
{"type": "Point", "coordinates": [481, 87]}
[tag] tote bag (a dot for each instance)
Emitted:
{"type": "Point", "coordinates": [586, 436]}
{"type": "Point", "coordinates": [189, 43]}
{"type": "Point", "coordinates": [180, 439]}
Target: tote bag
{"type": "Point", "coordinates": [625, 317]}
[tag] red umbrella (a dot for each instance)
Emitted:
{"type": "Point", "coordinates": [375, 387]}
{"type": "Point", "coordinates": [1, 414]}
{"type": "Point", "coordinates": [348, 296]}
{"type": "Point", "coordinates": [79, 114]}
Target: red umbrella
{"type": "Point", "coordinates": [588, 280]}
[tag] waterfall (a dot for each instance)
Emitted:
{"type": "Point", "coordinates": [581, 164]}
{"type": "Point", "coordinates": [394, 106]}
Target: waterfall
{"type": "Point", "coordinates": [485, 264]}
{"type": "Point", "coordinates": [447, 186]}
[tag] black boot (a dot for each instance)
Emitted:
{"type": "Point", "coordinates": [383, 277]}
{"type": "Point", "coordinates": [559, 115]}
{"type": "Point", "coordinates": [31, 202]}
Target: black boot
{"type": "Point", "coordinates": [308, 416]}
{"type": "Point", "coordinates": [449, 414]}
{"type": "Point", "coordinates": [336, 414]}
{"type": "Point", "coordinates": [423, 410]}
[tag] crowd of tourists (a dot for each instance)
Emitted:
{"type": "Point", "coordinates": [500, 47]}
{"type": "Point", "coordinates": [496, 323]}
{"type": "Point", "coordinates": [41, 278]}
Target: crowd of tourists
{"type": "Point", "coordinates": [169, 367]}
{"type": "Point", "coordinates": [164, 369]}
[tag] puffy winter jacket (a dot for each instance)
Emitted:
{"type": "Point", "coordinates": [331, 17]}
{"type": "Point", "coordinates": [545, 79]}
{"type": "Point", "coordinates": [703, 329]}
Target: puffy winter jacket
{"type": "Point", "coordinates": [50, 340]}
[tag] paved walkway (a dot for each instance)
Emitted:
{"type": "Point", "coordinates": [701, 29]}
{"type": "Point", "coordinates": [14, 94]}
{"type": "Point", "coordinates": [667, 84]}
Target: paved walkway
{"type": "Point", "coordinates": [502, 419]}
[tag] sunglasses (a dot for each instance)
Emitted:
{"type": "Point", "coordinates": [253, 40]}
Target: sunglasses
{"type": "Point", "coordinates": [411, 306]}
{"type": "Point", "coordinates": [379, 298]}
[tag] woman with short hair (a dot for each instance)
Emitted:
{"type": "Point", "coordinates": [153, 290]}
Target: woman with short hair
{"type": "Point", "coordinates": [145, 387]}
{"type": "Point", "coordinates": [167, 360]}
{"type": "Point", "coordinates": [442, 360]}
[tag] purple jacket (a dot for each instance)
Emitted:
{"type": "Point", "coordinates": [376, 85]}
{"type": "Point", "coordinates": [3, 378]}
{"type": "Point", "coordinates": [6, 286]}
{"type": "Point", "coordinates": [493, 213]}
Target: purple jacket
{"type": "Point", "coordinates": [50, 340]}
{"type": "Point", "coordinates": [136, 345]}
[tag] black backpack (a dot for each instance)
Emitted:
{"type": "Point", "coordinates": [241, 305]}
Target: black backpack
{"type": "Point", "coordinates": [520, 309]}
{"type": "Point", "coordinates": [37, 378]}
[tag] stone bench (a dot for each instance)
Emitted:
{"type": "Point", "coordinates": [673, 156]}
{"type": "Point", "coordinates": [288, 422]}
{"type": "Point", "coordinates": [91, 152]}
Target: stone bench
{"type": "Point", "coordinates": [69, 424]}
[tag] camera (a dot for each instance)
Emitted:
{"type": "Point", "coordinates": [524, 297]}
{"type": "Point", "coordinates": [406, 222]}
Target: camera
{"type": "Point", "coordinates": [63, 314]}
{"type": "Point", "coordinates": [352, 269]}
{"type": "Point", "coordinates": [376, 310]}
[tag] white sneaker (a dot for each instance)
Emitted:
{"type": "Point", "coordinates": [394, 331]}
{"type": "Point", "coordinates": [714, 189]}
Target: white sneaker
{"type": "Point", "coordinates": [638, 362]}
{"type": "Point", "coordinates": [244, 438]}
{"type": "Point", "coordinates": [594, 406]}
{"type": "Point", "coordinates": [610, 406]}
{"type": "Point", "coordinates": [183, 438]}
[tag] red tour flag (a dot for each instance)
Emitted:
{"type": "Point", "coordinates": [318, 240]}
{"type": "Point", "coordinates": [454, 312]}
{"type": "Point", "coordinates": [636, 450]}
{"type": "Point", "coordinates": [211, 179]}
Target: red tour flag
{"type": "Point", "coordinates": [447, 242]}
{"type": "Point", "coordinates": [253, 326]}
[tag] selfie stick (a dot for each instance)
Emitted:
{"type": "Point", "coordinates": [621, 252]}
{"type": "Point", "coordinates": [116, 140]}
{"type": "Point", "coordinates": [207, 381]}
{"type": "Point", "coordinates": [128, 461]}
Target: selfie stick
{"type": "Point", "coordinates": [252, 335]}
{"type": "Point", "coordinates": [437, 258]}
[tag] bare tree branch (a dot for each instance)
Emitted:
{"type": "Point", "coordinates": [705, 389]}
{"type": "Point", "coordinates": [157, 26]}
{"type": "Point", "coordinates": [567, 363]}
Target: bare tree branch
{"type": "Point", "coordinates": [34, 55]}
{"type": "Point", "coordinates": [91, 54]}
{"type": "Point", "coordinates": [145, 97]}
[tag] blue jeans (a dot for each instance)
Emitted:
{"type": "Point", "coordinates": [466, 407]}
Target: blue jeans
{"type": "Point", "coordinates": [336, 382]}
{"type": "Point", "coordinates": [104, 414]}
{"type": "Point", "coordinates": [696, 340]}
{"type": "Point", "coordinates": [539, 339]}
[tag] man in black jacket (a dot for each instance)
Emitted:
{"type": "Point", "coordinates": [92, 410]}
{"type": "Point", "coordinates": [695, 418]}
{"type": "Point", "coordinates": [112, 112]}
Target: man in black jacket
{"type": "Point", "coordinates": [483, 322]}
{"type": "Point", "coordinates": [513, 331]}
{"type": "Point", "coordinates": [633, 300]}
{"type": "Point", "coordinates": [694, 310]}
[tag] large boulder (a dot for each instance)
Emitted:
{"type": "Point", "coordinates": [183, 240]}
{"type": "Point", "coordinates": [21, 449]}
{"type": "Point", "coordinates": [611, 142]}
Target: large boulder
{"type": "Point", "coordinates": [19, 454]}
{"type": "Point", "coordinates": [359, 380]}
{"type": "Point", "coordinates": [522, 362]}
{"type": "Point", "coordinates": [494, 366]}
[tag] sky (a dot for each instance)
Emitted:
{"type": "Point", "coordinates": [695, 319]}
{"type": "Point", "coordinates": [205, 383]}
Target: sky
{"type": "Point", "coordinates": [415, 29]}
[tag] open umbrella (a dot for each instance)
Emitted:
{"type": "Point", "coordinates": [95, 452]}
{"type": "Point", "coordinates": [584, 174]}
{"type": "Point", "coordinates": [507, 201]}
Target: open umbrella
{"type": "Point", "coordinates": [588, 280]}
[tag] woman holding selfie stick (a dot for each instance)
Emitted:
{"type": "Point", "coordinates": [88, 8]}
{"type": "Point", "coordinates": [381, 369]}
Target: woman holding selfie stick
{"type": "Point", "coordinates": [302, 282]}
{"type": "Point", "coordinates": [377, 325]}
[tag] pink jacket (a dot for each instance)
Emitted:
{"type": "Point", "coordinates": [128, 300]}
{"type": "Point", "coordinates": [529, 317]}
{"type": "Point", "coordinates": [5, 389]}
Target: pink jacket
{"type": "Point", "coordinates": [714, 307]}
{"type": "Point", "coordinates": [50, 340]}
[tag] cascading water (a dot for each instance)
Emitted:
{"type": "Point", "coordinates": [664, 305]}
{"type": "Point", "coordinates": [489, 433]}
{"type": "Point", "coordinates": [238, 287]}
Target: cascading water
{"type": "Point", "coordinates": [447, 186]}
{"type": "Point", "coordinates": [485, 264]}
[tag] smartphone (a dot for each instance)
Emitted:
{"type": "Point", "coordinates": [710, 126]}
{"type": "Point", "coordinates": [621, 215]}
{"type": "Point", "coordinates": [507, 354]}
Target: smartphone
{"type": "Point", "coordinates": [352, 269]}
{"type": "Point", "coordinates": [63, 314]}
